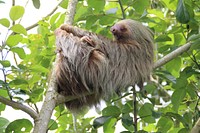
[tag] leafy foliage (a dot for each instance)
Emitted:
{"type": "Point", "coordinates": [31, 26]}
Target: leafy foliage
{"type": "Point", "coordinates": [172, 100]}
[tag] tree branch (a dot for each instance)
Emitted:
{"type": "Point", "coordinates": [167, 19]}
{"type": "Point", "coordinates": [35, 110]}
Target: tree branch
{"type": "Point", "coordinates": [20, 106]}
{"type": "Point", "coordinates": [41, 123]}
{"type": "Point", "coordinates": [52, 12]}
{"type": "Point", "coordinates": [196, 128]}
{"type": "Point", "coordinates": [172, 55]}
{"type": "Point", "coordinates": [71, 11]}
{"type": "Point", "coordinates": [122, 9]}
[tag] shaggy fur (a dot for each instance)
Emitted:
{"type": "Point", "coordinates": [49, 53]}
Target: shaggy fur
{"type": "Point", "coordinates": [93, 71]}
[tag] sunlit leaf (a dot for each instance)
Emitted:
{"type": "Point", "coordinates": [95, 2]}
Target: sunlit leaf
{"type": "Point", "coordinates": [143, 5]}
{"type": "Point", "coordinates": [38, 68]}
{"type": "Point", "coordinates": [5, 63]}
{"type": "Point", "coordinates": [36, 95]}
{"type": "Point", "coordinates": [163, 38]}
{"type": "Point", "coordinates": [13, 40]}
{"type": "Point", "coordinates": [174, 69]}
{"type": "Point", "coordinates": [5, 22]}
{"type": "Point", "coordinates": [20, 51]}
{"type": "Point", "coordinates": [53, 18]}
{"type": "Point", "coordinates": [164, 124]}
{"type": "Point", "coordinates": [18, 82]}
{"type": "Point", "coordinates": [96, 4]}
{"type": "Point", "coordinates": [19, 125]}
{"type": "Point", "coordinates": [16, 12]}
{"type": "Point", "coordinates": [64, 4]}
{"type": "Point", "coordinates": [3, 124]}
{"type": "Point", "coordinates": [18, 28]}
{"type": "Point", "coordinates": [177, 97]}
{"type": "Point", "coordinates": [52, 125]}
{"type": "Point", "coordinates": [178, 117]}
{"type": "Point", "coordinates": [109, 126]}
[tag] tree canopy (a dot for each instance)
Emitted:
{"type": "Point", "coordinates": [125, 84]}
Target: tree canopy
{"type": "Point", "coordinates": [172, 101]}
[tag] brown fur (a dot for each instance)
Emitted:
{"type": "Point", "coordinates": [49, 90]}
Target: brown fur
{"type": "Point", "coordinates": [106, 65]}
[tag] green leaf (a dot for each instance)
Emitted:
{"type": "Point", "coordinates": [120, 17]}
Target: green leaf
{"type": "Point", "coordinates": [100, 121]}
{"type": "Point", "coordinates": [64, 4]}
{"type": "Point", "coordinates": [109, 126]}
{"type": "Point", "coordinates": [54, 18]}
{"type": "Point", "coordinates": [150, 88]}
{"type": "Point", "coordinates": [128, 107]}
{"type": "Point", "coordinates": [2, 1]}
{"type": "Point", "coordinates": [18, 28]}
{"type": "Point", "coordinates": [36, 3]}
{"type": "Point", "coordinates": [20, 51]}
{"type": "Point", "coordinates": [3, 124]}
{"type": "Point", "coordinates": [16, 12]}
{"type": "Point", "coordinates": [194, 37]}
{"type": "Point", "coordinates": [177, 117]}
{"type": "Point", "coordinates": [5, 63]}
{"type": "Point", "coordinates": [195, 44]}
{"type": "Point", "coordinates": [113, 111]}
{"type": "Point", "coordinates": [2, 107]}
{"type": "Point", "coordinates": [104, 20]}
{"type": "Point", "coordinates": [5, 22]}
{"type": "Point", "coordinates": [163, 38]}
{"type": "Point", "coordinates": [127, 122]}
{"type": "Point", "coordinates": [188, 116]}
{"type": "Point", "coordinates": [191, 91]}
{"type": "Point", "coordinates": [145, 113]}
{"type": "Point", "coordinates": [98, 5]}
{"type": "Point", "coordinates": [90, 21]}
{"type": "Point", "coordinates": [52, 125]}
{"type": "Point", "coordinates": [177, 97]}
{"type": "Point", "coordinates": [18, 82]}
{"type": "Point", "coordinates": [174, 69]}
{"type": "Point", "coordinates": [37, 95]}
{"type": "Point", "coordinates": [182, 14]}
{"type": "Point", "coordinates": [179, 39]}
{"type": "Point", "coordinates": [3, 93]}
{"type": "Point", "coordinates": [164, 124]}
{"type": "Point", "coordinates": [140, 5]}
{"type": "Point", "coordinates": [60, 20]}
{"type": "Point", "coordinates": [38, 68]}
{"type": "Point", "coordinates": [181, 82]}
{"type": "Point", "coordinates": [13, 40]}
{"type": "Point", "coordinates": [19, 125]}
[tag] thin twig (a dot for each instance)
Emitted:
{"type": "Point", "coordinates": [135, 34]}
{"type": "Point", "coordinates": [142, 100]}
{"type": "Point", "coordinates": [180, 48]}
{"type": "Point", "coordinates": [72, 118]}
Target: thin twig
{"type": "Point", "coordinates": [135, 109]}
{"type": "Point", "coordinates": [13, 4]}
{"type": "Point", "coordinates": [52, 12]}
{"type": "Point", "coordinates": [122, 9]}
{"type": "Point", "coordinates": [20, 106]}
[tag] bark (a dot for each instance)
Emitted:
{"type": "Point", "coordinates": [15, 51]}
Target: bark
{"type": "Point", "coordinates": [196, 128]}
{"type": "Point", "coordinates": [41, 123]}
{"type": "Point", "coordinates": [20, 106]}
{"type": "Point", "coordinates": [172, 55]}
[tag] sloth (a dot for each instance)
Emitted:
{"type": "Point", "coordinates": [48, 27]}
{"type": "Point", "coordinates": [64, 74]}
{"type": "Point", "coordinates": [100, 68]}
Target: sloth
{"type": "Point", "coordinates": [92, 67]}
